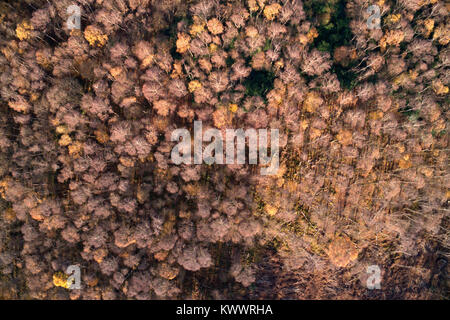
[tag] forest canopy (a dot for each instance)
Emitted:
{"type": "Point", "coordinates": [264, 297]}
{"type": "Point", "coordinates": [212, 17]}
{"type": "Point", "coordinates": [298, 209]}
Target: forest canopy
{"type": "Point", "coordinates": [86, 176]}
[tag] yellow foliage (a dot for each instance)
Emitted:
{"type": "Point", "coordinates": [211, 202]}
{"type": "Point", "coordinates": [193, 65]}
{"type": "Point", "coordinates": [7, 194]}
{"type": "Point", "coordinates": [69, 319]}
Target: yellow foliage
{"type": "Point", "coordinates": [392, 38]}
{"type": "Point", "coordinates": [442, 34]}
{"type": "Point", "coordinates": [42, 59]}
{"type": "Point", "coordinates": [342, 251]}
{"type": "Point", "coordinates": [34, 96]}
{"type": "Point", "coordinates": [194, 85]}
{"type": "Point", "coordinates": [275, 98]}
{"type": "Point", "coordinates": [304, 124]}
{"type": "Point", "coordinates": [426, 171]}
{"type": "Point", "coordinates": [168, 272]}
{"type": "Point", "coordinates": [401, 147]}
{"type": "Point", "coordinates": [344, 137]}
{"type": "Point", "coordinates": [401, 79]}
{"type": "Point", "coordinates": [261, 3]}
{"type": "Point", "coordinates": [222, 117]}
{"type": "Point", "coordinates": [271, 11]}
{"type": "Point", "coordinates": [19, 106]}
{"type": "Point", "coordinates": [233, 107]}
{"type": "Point", "coordinates": [251, 32]}
{"type": "Point", "coordinates": [314, 133]}
{"type": "Point", "coordinates": [4, 186]}
{"type": "Point", "coordinates": [65, 140]}
{"type": "Point", "coordinates": [429, 26]}
{"type": "Point", "coordinates": [36, 214]}
{"type": "Point", "coordinates": [413, 74]}
{"type": "Point", "coordinates": [60, 280]}
{"type": "Point", "coordinates": [312, 101]}
{"type": "Point", "coordinates": [9, 215]}
{"type": "Point", "coordinates": [169, 224]}
{"type": "Point", "coordinates": [376, 115]}
{"type": "Point", "coordinates": [393, 18]}
{"type": "Point", "coordinates": [177, 70]}
{"type": "Point", "coordinates": [183, 42]}
{"type": "Point", "coordinates": [439, 88]}
{"type": "Point", "coordinates": [271, 210]}
{"type": "Point", "coordinates": [197, 27]}
{"type": "Point", "coordinates": [312, 34]}
{"type": "Point", "coordinates": [23, 30]}
{"type": "Point", "coordinates": [212, 47]}
{"type": "Point", "coordinates": [279, 64]}
{"type": "Point", "coordinates": [215, 26]}
{"type": "Point", "coordinates": [252, 5]}
{"type": "Point", "coordinates": [62, 129]}
{"type": "Point", "coordinates": [75, 149]}
{"type": "Point", "coordinates": [147, 61]}
{"type": "Point", "coordinates": [126, 162]}
{"type": "Point", "coordinates": [116, 71]}
{"type": "Point", "coordinates": [101, 136]}
{"type": "Point", "coordinates": [405, 162]}
{"type": "Point", "coordinates": [94, 36]}
{"type": "Point", "coordinates": [75, 33]}
{"type": "Point", "coordinates": [128, 101]}
{"type": "Point", "coordinates": [303, 39]}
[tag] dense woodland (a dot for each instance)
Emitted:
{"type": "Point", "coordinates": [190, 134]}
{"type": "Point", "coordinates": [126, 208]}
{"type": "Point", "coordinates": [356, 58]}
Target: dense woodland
{"type": "Point", "coordinates": [86, 177]}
